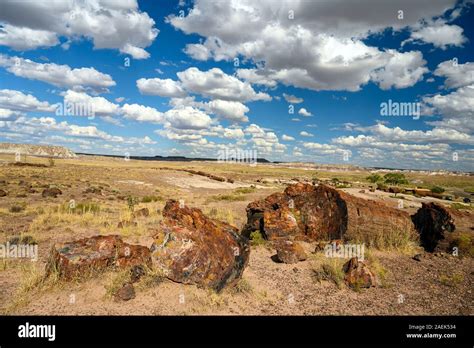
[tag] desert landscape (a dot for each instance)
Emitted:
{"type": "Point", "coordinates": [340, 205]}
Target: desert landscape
{"type": "Point", "coordinates": [118, 236]}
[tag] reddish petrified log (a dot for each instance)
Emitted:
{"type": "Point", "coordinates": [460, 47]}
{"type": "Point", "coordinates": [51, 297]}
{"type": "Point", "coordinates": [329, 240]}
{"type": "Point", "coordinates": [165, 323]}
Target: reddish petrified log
{"type": "Point", "coordinates": [194, 249]}
{"type": "Point", "coordinates": [95, 254]}
{"type": "Point", "coordinates": [437, 226]}
{"type": "Point", "coordinates": [308, 212]}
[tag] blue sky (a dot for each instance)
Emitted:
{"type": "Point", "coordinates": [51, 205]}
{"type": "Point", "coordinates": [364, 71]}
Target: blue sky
{"type": "Point", "coordinates": [162, 79]}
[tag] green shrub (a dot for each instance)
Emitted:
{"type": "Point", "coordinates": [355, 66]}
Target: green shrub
{"type": "Point", "coordinates": [149, 199]}
{"type": "Point", "coordinates": [395, 179]}
{"type": "Point", "coordinates": [373, 178]}
{"type": "Point", "coordinates": [437, 189]}
{"type": "Point", "coordinates": [256, 238]}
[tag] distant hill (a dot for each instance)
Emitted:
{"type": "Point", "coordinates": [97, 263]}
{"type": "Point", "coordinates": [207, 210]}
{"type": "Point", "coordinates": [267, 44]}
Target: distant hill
{"type": "Point", "coordinates": [167, 158]}
{"type": "Point", "coordinates": [37, 150]}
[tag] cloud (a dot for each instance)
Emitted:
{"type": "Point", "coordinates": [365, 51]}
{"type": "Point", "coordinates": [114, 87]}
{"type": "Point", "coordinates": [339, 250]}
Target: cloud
{"type": "Point", "coordinates": [109, 24]}
{"type": "Point", "coordinates": [142, 113]}
{"type": "Point", "coordinates": [188, 118]}
{"type": "Point", "coordinates": [292, 99]}
{"type": "Point", "coordinates": [304, 112]}
{"type": "Point", "coordinates": [287, 138]}
{"type": "Point", "coordinates": [24, 39]}
{"type": "Point", "coordinates": [216, 84]}
{"type": "Point", "coordinates": [456, 108]}
{"type": "Point", "coordinates": [57, 75]}
{"type": "Point", "coordinates": [16, 100]}
{"type": "Point", "coordinates": [229, 110]}
{"type": "Point", "coordinates": [254, 77]}
{"type": "Point", "coordinates": [401, 70]}
{"type": "Point", "coordinates": [306, 134]}
{"type": "Point", "coordinates": [439, 34]}
{"type": "Point", "coordinates": [160, 87]}
{"type": "Point", "coordinates": [99, 105]}
{"type": "Point", "coordinates": [456, 74]}
{"type": "Point", "coordinates": [322, 48]}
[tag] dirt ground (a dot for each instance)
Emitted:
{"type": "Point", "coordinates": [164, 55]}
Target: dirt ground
{"type": "Point", "coordinates": [439, 284]}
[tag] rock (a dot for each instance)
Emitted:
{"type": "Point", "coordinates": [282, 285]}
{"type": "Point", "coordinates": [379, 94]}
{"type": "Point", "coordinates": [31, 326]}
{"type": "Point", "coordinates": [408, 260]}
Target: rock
{"type": "Point", "coordinates": [436, 224]}
{"type": "Point", "coordinates": [51, 192]}
{"type": "Point", "coordinates": [94, 190]}
{"type": "Point", "coordinates": [142, 212]}
{"type": "Point", "coordinates": [417, 257]}
{"type": "Point", "coordinates": [362, 191]}
{"type": "Point", "coordinates": [290, 252]}
{"type": "Point", "coordinates": [3, 193]}
{"type": "Point", "coordinates": [95, 254]}
{"type": "Point", "coordinates": [358, 275]}
{"type": "Point", "coordinates": [311, 213]}
{"type": "Point", "coordinates": [136, 272]}
{"type": "Point", "coordinates": [125, 293]}
{"type": "Point", "coordinates": [193, 249]}
{"type": "Point", "coordinates": [127, 223]}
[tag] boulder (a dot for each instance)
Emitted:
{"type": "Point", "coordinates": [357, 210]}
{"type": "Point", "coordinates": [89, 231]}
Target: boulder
{"type": "Point", "coordinates": [436, 225]}
{"type": "Point", "coordinates": [125, 293]}
{"type": "Point", "coordinates": [193, 249]}
{"type": "Point", "coordinates": [142, 212]}
{"type": "Point", "coordinates": [358, 275]}
{"type": "Point", "coordinates": [290, 252]}
{"type": "Point", "coordinates": [51, 192]}
{"type": "Point", "coordinates": [95, 254]}
{"type": "Point", "coordinates": [311, 213]}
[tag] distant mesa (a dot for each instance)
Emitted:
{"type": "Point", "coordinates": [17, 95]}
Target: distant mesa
{"type": "Point", "coordinates": [37, 150]}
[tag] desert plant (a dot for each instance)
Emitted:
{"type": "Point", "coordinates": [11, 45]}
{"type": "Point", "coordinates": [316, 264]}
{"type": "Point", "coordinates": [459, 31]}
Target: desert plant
{"type": "Point", "coordinates": [395, 179]}
{"type": "Point", "coordinates": [437, 189]}
{"type": "Point", "coordinates": [373, 178]}
{"type": "Point", "coordinates": [330, 271]}
{"type": "Point", "coordinates": [132, 202]}
{"type": "Point", "coordinates": [256, 238]}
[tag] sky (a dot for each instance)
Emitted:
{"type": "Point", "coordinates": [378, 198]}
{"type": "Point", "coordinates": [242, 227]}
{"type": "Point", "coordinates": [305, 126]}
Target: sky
{"type": "Point", "coordinates": [371, 83]}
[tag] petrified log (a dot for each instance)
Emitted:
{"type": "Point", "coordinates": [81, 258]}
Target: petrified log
{"type": "Point", "coordinates": [194, 249]}
{"type": "Point", "coordinates": [437, 226]}
{"type": "Point", "coordinates": [95, 254]}
{"type": "Point", "coordinates": [309, 212]}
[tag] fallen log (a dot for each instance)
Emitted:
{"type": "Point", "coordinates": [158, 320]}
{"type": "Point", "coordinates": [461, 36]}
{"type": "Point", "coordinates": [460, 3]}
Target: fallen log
{"type": "Point", "coordinates": [308, 212]}
{"type": "Point", "coordinates": [439, 226]}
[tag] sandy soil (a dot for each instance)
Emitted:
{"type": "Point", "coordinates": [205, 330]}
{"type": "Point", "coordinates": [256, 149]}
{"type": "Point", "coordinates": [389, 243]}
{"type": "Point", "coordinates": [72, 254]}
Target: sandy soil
{"type": "Point", "coordinates": [438, 285]}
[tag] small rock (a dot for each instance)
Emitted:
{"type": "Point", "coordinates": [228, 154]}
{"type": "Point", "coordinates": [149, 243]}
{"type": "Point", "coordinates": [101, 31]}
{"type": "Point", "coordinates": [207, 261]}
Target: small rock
{"type": "Point", "coordinates": [142, 212]}
{"type": "Point", "coordinates": [3, 193]}
{"type": "Point", "coordinates": [51, 192]}
{"type": "Point", "coordinates": [126, 223]}
{"type": "Point", "coordinates": [125, 293]}
{"type": "Point", "coordinates": [136, 272]}
{"type": "Point", "coordinates": [417, 257]}
{"type": "Point", "coordinates": [290, 252]}
{"type": "Point", "coordinates": [358, 275]}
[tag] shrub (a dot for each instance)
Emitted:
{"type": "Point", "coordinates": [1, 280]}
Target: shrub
{"type": "Point", "coordinates": [330, 271]}
{"type": "Point", "coordinates": [132, 202]}
{"type": "Point", "coordinates": [373, 178]}
{"type": "Point", "coordinates": [16, 208]}
{"type": "Point", "coordinates": [256, 238]}
{"type": "Point", "coordinates": [149, 199]}
{"type": "Point", "coordinates": [395, 179]}
{"type": "Point", "coordinates": [437, 189]}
